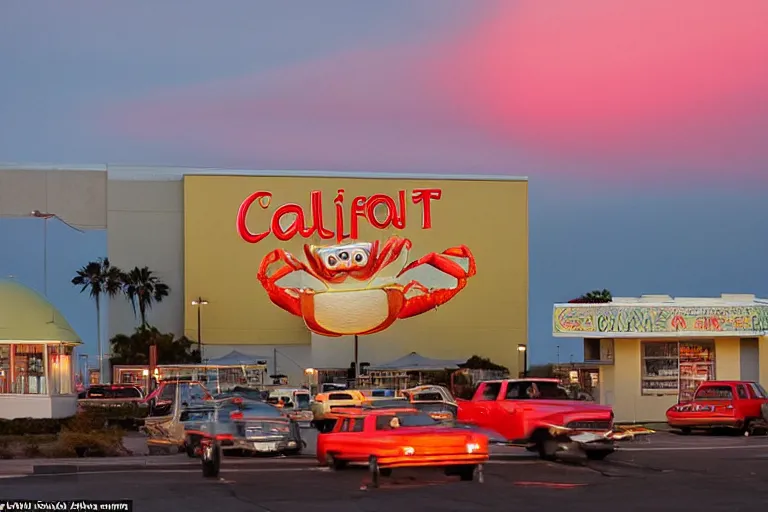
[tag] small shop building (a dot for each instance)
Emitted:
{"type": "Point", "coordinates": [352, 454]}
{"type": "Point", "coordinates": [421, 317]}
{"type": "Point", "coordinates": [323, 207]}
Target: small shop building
{"type": "Point", "coordinates": [654, 350]}
{"type": "Point", "coordinates": [36, 356]}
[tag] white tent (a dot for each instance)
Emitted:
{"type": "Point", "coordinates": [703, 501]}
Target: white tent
{"type": "Point", "coordinates": [416, 362]}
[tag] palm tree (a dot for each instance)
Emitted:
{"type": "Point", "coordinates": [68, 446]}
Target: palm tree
{"type": "Point", "coordinates": [143, 288]}
{"type": "Point", "coordinates": [99, 278]}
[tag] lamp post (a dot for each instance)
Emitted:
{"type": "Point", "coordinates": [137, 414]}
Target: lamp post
{"type": "Point", "coordinates": [521, 348]}
{"type": "Point", "coordinates": [199, 303]}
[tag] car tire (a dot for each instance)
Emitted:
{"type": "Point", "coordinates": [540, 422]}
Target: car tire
{"type": "Point", "coordinates": [466, 473]}
{"type": "Point", "coordinates": [547, 448]}
{"type": "Point", "coordinates": [211, 468]}
{"type": "Point", "coordinates": [190, 449]}
{"type": "Point", "coordinates": [334, 463]}
{"type": "Point", "coordinates": [598, 454]}
{"type": "Point", "coordinates": [373, 468]}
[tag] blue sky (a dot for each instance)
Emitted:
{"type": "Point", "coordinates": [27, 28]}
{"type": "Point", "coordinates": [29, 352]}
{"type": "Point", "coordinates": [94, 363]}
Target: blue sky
{"type": "Point", "coordinates": [643, 142]}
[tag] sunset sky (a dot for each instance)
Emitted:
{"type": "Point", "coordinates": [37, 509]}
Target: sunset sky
{"type": "Point", "coordinates": [641, 125]}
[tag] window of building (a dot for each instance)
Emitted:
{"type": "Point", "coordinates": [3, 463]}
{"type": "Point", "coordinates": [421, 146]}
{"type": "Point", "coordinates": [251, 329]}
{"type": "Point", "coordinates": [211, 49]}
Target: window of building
{"type": "Point", "coordinates": [60, 378]}
{"type": "Point", "coordinates": [676, 367]}
{"type": "Point", "coordinates": [5, 368]}
{"type": "Point", "coordinates": [29, 370]}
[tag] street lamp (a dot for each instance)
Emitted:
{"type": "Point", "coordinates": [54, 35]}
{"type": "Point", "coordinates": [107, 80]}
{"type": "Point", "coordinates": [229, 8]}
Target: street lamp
{"type": "Point", "coordinates": [46, 217]}
{"type": "Point", "coordinates": [523, 349]}
{"type": "Point", "coordinates": [199, 303]}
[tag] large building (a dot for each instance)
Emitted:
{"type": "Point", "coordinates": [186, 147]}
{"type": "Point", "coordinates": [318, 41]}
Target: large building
{"type": "Point", "coordinates": [431, 264]}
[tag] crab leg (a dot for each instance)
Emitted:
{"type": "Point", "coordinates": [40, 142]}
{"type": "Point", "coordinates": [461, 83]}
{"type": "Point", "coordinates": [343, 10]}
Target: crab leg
{"type": "Point", "coordinates": [287, 298]}
{"type": "Point", "coordinates": [432, 298]}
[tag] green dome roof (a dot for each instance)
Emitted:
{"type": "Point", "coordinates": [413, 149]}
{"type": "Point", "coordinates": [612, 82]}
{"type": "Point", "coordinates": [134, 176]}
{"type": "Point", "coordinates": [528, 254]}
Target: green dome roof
{"type": "Point", "coordinates": [25, 315]}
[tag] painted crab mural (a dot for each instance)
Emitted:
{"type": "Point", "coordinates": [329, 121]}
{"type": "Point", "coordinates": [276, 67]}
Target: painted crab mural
{"type": "Point", "coordinates": [363, 287]}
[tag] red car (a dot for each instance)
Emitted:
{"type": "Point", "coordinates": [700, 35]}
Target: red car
{"type": "Point", "coordinates": [540, 414]}
{"type": "Point", "coordinates": [721, 403]}
{"type": "Point", "coordinates": [394, 438]}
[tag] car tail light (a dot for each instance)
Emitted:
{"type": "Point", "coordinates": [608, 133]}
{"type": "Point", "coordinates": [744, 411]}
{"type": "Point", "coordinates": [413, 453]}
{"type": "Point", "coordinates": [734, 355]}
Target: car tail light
{"type": "Point", "coordinates": [473, 447]}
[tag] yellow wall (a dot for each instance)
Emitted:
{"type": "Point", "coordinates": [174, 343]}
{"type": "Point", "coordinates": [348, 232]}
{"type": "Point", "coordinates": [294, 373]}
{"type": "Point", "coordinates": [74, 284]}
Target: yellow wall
{"type": "Point", "coordinates": [764, 361]}
{"type": "Point", "coordinates": [489, 317]}
{"type": "Point", "coordinates": [621, 382]}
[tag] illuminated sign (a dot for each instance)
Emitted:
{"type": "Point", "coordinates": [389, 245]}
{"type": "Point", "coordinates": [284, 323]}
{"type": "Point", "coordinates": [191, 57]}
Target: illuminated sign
{"type": "Point", "coordinates": [380, 211]}
{"type": "Point", "coordinates": [363, 287]}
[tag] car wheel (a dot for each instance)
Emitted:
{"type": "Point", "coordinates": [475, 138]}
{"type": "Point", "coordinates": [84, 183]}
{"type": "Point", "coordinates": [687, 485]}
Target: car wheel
{"type": "Point", "coordinates": [547, 448]}
{"type": "Point", "coordinates": [334, 463]}
{"type": "Point", "coordinates": [190, 449]}
{"type": "Point", "coordinates": [373, 467]}
{"type": "Point", "coordinates": [598, 454]}
{"type": "Point", "coordinates": [466, 473]}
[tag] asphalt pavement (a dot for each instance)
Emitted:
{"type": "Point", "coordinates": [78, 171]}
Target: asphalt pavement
{"type": "Point", "coordinates": [663, 472]}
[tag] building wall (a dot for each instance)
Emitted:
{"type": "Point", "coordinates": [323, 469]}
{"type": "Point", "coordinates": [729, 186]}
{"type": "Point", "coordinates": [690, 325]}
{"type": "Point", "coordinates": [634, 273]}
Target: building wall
{"type": "Point", "coordinates": [79, 197]}
{"type": "Point", "coordinates": [622, 381]}
{"type": "Point", "coordinates": [764, 361]}
{"type": "Point", "coordinates": [145, 228]}
{"type": "Point", "coordinates": [488, 317]}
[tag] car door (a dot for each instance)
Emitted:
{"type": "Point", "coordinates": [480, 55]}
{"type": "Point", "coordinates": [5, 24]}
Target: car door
{"type": "Point", "coordinates": [749, 403]}
{"type": "Point", "coordinates": [515, 399]}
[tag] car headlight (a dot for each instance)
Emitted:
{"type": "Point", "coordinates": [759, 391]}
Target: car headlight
{"type": "Point", "coordinates": [408, 450]}
{"type": "Point", "coordinates": [472, 447]}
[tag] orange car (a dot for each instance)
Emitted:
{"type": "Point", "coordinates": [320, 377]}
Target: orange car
{"type": "Point", "coordinates": [395, 438]}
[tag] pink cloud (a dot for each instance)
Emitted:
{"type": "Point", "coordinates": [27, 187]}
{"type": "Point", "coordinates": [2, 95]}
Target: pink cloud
{"type": "Point", "coordinates": [538, 85]}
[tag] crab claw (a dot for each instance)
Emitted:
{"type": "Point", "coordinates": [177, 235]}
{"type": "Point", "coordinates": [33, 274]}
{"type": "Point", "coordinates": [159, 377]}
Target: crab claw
{"type": "Point", "coordinates": [420, 296]}
{"type": "Point", "coordinates": [288, 298]}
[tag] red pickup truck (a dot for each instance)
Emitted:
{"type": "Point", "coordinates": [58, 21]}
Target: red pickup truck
{"type": "Point", "coordinates": [540, 414]}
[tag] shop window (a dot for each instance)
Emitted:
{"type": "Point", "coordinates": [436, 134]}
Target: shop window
{"type": "Point", "coordinates": [29, 370]}
{"type": "Point", "coordinates": [60, 370]}
{"type": "Point", "coordinates": [5, 368]}
{"type": "Point", "coordinates": [676, 367]}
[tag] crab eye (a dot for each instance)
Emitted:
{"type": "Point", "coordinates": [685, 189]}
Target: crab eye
{"type": "Point", "coordinates": [332, 261]}
{"type": "Point", "coordinates": [360, 257]}
{"type": "Point", "coordinates": [344, 256]}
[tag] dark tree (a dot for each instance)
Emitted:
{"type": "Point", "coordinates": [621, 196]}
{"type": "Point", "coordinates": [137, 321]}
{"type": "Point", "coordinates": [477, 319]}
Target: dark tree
{"type": "Point", "coordinates": [134, 349]}
{"type": "Point", "coordinates": [593, 297]}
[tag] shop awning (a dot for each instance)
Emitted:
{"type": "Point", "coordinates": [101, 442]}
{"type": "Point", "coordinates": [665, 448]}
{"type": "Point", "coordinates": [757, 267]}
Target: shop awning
{"type": "Point", "coordinates": [236, 358]}
{"type": "Point", "coordinates": [416, 362]}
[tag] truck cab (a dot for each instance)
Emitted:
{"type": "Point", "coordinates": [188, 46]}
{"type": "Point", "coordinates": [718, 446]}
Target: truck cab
{"type": "Point", "coordinates": [538, 413]}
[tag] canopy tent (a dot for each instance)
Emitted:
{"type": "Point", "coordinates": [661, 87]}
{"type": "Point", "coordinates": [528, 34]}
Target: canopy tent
{"type": "Point", "coordinates": [236, 358]}
{"type": "Point", "coordinates": [416, 362]}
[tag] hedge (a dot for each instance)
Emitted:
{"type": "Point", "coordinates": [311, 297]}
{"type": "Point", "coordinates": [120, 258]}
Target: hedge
{"type": "Point", "coordinates": [88, 418]}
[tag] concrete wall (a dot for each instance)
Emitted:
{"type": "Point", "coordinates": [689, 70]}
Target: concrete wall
{"type": "Point", "coordinates": [78, 197]}
{"type": "Point", "coordinates": [37, 406]}
{"type": "Point", "coordinates": [145, 222]}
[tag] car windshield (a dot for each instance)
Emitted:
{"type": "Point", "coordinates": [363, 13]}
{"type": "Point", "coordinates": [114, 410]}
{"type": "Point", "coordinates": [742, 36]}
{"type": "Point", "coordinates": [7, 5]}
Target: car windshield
{"type": "Point", "coordinates": [758, 390]}
{"type": "Point", "coordinates": [302, 400]}
{"type": "Point", "coordinates": [714, 393]}
{"type": "Point", "coordinates": [390, 422]}
{"type": "Point", "coordinates": [387, 404]}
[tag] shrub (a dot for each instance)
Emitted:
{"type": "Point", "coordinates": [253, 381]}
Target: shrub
{"type": "Point", "coordinates": [107, 443]}
{"type": "Point", "coordinates": [31, 448]}
{"type": "Point", "coordinates": [5, 451]}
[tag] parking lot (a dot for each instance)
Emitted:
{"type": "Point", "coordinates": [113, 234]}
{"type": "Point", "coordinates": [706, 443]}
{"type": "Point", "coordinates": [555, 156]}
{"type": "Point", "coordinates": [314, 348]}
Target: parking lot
{"type": "Point", "coordinates": [662, 472]}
